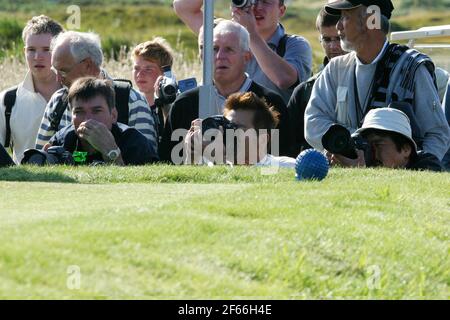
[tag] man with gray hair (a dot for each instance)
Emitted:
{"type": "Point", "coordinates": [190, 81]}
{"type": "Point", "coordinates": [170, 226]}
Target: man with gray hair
{"type": "Point", "coordinates": [279, 60]}
{"type": "Point", "coordinates": [231, 55]}
{"type": "Point", "coordinates": [373, 75]}
{"type": "Point", "coordinates": [76, 55]}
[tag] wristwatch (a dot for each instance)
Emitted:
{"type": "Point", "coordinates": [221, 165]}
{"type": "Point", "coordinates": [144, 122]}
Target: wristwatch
{"type": "Point", "coordinates": [113, 155]}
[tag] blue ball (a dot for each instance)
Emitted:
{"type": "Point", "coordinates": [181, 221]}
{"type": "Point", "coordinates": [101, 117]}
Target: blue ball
{"type": "Point", "coordinates": [311, 164]}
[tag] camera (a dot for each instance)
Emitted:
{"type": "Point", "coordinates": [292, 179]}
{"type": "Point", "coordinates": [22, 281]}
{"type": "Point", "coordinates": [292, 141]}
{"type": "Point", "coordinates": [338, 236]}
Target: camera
{"type": "Point", "coordinates": [53, 155]}
{"type": "Point", "coordinates": [339, 141]}
{"type": "Point", "coordinates": [168, 87]}
{"type": "Point", "coordinates": [215, 122]}
{"type": "Point", "coordinates": [243, 3]}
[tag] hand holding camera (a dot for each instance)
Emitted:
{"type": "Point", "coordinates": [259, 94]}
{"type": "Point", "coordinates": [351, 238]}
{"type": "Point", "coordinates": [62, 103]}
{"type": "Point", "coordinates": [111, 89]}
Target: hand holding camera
{"type": "Point", "coordinates": [347, 150]}
{"type": "Point", "coordinates": [242, 13]}
{"type": "Point", "coordinates": [97, 135]}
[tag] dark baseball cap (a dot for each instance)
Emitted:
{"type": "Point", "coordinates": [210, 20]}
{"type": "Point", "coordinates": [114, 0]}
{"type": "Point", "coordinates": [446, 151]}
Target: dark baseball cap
{"type": "Point", "coordinates": [334, 8]}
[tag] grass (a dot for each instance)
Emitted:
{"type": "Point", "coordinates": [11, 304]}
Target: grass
{"type": "Point", "coordinates": [162, 232]}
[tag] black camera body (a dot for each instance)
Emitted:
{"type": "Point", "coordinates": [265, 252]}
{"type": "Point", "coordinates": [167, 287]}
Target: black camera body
{"type": "Point", "coordinates": [243, 3]}
{"type": "Point", "coordinates": [168, 87]}
{"type": "Point", "coordinates": [338, 140]}
{"type": "Point", "coordinates": [53, 155]}
{"type": "Point", "coordinates": [215, 122]}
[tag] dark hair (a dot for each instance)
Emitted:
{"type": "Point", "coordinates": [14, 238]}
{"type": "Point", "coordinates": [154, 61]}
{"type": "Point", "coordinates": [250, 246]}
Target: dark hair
{"type": "Point", "coordinates": [89, 87]}
{"type": "Point", "coordinates": [41, 25]}
{"type": "Point", "coordinates": [265, 116]}
{"type": "Point", "coordinates": [325, 19]}
{"type": "Point", "coordinates": [399, 140]}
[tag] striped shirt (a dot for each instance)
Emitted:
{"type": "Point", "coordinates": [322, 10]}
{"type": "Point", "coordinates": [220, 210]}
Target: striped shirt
{"type": "Point", "coordinates": [140, 118]}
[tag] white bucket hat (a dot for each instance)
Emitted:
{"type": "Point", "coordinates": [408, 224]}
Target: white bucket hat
{"type": "Point", "coordinates": [388, 119]}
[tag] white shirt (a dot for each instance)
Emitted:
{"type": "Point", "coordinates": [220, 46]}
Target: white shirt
{"type": "Point", "coordinates": [274, 161]}
{"type": "Point", "coordinates": [25, 118]}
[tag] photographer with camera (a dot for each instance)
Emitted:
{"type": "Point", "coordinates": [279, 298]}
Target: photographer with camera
{"type": "Point", "coordinates": [279, 61]}
{"type": "Point", "coordinates": [242, 135]}
{"type": "Point", "coordinates": [373, 76]}
{"type": "Point", "coordinates": [79, 54]}
{"type": "Point", "coordinates": [152, 63]}
{"type": "Point", "coordinates": [95, 135]}
{"type": "Point", "coordinates": [231, 47]}
{"type": "Point", "coordinates": [385, 139]}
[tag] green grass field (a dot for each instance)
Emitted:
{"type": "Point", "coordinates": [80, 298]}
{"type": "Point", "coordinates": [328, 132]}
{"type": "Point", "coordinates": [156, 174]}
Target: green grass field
{"type": "Point", "coordinates": [163, 232]}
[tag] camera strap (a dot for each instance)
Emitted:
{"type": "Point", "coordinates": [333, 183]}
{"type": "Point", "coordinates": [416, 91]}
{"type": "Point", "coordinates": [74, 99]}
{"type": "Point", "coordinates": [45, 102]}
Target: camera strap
{"type": "Point", "coordinates": [361, 110]}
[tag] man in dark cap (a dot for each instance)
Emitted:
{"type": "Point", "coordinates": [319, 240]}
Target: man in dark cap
{"type": "Point", "coordinates": [373, 75]}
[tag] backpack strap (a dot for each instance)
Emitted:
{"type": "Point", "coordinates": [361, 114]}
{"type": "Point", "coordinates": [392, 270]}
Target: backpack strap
{"type": "Point", "coordinates": [281, 49]}
{"type": "Point", "coordinates": [447, 104]}
{"type": "Point", "coordinates": [55, 117]}
{"type": "Point", "coordinates": [9, 102]}
{"type": "Point", "coordinates": [122, 88]}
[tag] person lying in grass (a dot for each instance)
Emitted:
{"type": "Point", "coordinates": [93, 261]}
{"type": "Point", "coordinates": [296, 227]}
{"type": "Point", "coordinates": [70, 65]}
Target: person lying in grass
{"type": "Point", "coordinates": [388, 132]}
{"type": "Point", "coordinates": [95, 131]}
{"type": "Point", "coordinates": [241, 136]}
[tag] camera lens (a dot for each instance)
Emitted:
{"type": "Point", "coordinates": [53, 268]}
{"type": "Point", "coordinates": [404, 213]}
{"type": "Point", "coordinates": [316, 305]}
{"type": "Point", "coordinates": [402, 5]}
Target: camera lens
{"type": "Point", "coordinates": [37, 159]}
{"type": "Point", "coordinates": [338, 140]}
{"type": "Point", "coordinates": [239, 3]}
{"type": "Point", "coordinates": [169, 90]}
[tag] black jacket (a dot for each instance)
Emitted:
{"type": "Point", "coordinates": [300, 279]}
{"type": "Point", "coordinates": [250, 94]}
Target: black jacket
{"type": "Point", "coordinates": [134, 147]}
{"type": "Point", "coordinates": [424, 161]}
{"type": "Point", "coordinates": [296, 108]}
{"type": "Point", "coordinates": [185, 109]}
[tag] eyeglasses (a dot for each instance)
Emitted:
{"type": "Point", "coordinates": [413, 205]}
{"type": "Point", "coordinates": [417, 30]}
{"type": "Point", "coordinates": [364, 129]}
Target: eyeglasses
{"type": "Point", "coordinates": [65, 73]}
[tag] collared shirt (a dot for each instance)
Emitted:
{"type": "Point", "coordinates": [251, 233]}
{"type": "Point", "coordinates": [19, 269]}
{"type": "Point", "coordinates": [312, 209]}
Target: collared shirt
{"type": "Point", "coordinates": [140, 118]}
{"type": "Point", "coordinates": [220, 99]}
{"type": "Point", "coordinates": [25, 118]}
{"type": "Point", "coordinates": [298, 54]}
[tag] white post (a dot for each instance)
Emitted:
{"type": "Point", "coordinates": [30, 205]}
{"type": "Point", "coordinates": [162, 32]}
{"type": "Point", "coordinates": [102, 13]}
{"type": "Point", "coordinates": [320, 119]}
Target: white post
{"type": "Point", "coordinates": [207, 101]}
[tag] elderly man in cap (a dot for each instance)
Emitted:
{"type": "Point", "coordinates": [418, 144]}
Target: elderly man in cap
{"type": "Point", "coordinates": [375, 74]}
{"type": "Point", "coordinates": [388, 132]}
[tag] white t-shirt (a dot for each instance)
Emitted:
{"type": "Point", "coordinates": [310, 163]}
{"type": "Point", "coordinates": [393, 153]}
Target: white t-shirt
{"type": "Point", "coordinates": [273, 161]}
{"type": "Point", "coordinates": [25, 118]}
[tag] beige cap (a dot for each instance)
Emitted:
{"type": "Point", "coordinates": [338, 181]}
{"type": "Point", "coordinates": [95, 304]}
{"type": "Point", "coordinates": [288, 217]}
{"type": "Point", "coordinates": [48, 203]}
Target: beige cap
{"type": "Point", "coordinates": [388, 119]}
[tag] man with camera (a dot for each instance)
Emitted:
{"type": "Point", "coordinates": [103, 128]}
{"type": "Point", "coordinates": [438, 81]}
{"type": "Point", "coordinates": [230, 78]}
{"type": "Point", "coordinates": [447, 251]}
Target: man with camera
{"type": "Point", "coordinates": [79, 54]}
{"type": "Point", "coordinates": [151, 59]}
{"type": "Point", "coordinates": [241, 136]}
{"type": "Point", "coordinates": [385, 139]}
{"type": "Point", "coordinates": [95, 136]}
{"type": "Point", "coordinates": [374, 75]}
{"type": "Point", "coordinates": [231, 46]}
{"type": "Point", "coordinates": [330, 41]}
{"type": "Point", "coordinates": [279, 61]}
